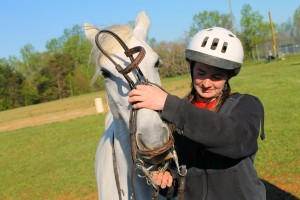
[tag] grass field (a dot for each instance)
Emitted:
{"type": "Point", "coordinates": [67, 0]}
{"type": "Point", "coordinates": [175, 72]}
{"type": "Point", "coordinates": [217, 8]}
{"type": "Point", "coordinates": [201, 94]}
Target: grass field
{"type": "Point", "coordinates": [54, 159]}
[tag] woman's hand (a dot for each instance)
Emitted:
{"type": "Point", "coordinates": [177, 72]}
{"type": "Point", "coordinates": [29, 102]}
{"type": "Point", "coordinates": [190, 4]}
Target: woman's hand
{"type": "Point", "coordinates": [147, 96]}
{"type": "Point", "coordinates": [162, 179]}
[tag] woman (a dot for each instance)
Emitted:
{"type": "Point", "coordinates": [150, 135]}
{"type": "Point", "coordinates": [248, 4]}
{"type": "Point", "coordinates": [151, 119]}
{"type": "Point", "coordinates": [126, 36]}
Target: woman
{"type": "Point", "coordinates": [217, 147]}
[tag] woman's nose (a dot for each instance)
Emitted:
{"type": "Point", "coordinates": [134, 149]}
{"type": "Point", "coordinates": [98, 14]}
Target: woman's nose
{"type": "Point", "coordinates": [206, 82]}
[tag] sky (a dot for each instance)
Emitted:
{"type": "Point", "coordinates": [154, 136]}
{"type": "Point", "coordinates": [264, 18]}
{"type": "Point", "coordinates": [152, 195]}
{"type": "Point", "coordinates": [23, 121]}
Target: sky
{"type": "Point", "coordinates": [37, 21]}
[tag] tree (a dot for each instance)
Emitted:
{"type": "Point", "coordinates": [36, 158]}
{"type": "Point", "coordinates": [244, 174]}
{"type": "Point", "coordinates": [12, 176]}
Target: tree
{"type": "Point", "coordinates": [10, 87]}
{"type": "Point", "coordinates": [79, 48]}
{"type": "Point", "coordinates": [3, 62]}
{"type": "Point", "coordinates": [32, 61]}
{"type": "Point", "coordinates": [30, 94]}
{"type": "Point", "coordinates": [207, 19]}
{"type": "Point", "coordinates": [14, 62]}
{"type": "Point", "coordinates": [288, 27]}
{"type": "Point", "coordinates": [152, 42]}
{"type": "Point", "coordinates": [297, 21]}
{"type": "Point", "coordinates": [54, 46]}
{"type": "Point", "coordinates": [253, 29]}
{"type": "Point", "coordinates": [56, 72]}
{"type": "Point", "coordinates": [284, 33]}
{"type": "Point", "coordinates": [72, 42]}
{"type": "Point", "coordinates": [172, 56]}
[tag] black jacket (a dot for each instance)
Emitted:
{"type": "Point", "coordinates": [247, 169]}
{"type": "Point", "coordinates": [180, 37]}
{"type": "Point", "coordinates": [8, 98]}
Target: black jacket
{"type": "Point", "coordinates": [218, 150]}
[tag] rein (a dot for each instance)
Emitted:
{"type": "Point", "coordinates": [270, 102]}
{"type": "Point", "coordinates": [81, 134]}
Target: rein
{"type": "Point", "coordinates": [138, 156]}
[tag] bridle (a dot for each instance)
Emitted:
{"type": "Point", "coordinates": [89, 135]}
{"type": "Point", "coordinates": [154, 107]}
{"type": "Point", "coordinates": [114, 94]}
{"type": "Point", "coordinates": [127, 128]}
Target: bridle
{"type": "Point", "coordinates": [139, 157]}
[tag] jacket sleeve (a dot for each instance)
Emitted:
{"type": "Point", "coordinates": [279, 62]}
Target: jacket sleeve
{"type": "Point", "coordinates": [233, 136]}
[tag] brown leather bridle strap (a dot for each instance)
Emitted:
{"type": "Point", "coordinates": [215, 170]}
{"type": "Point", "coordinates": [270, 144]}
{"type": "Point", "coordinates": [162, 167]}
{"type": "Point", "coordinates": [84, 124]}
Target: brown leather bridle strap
{"type": "Point", "coordinates": [158, 151]}
{"type": "Point", "coordinates": [128, 52]}
{"type": "Point", "coordinates": [134, 62]}
{"type": "Point", "coordinates": [116, 169]}
{"type": "Point", "coordinates": [132, 130]}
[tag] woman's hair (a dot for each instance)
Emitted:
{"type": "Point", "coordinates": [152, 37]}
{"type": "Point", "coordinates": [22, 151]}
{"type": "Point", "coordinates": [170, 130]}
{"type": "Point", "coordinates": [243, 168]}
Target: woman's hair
{"type": "Point", "coordinates": [220, 99]}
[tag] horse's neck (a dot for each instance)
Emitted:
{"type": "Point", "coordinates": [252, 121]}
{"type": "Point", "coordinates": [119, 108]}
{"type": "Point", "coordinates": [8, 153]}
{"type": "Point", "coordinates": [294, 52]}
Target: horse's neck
{"type": "Point", "coordinates": [120, 127]}
{"type": "Point", "coordinates": [122, 140]}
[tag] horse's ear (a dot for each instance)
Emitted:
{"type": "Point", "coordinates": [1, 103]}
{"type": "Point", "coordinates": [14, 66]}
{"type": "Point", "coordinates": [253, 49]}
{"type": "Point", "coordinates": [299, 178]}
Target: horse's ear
{"type": "Point", "coordinates": [142, 24]}
{"type": "Point", "coordinates": [90, 31]}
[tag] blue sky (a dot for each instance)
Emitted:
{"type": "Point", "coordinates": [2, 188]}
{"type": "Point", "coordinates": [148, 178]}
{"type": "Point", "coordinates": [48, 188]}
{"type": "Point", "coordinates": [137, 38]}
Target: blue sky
{"type": "Point", "coordinates": [37, 21]}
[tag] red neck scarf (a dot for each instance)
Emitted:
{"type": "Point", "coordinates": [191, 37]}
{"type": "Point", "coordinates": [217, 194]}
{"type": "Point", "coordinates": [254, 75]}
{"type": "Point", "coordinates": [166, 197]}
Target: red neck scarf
{"type": "Point", "coordinates": [204, 105]}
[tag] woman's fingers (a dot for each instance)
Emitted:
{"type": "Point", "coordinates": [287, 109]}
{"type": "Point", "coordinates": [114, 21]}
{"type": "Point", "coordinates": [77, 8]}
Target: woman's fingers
{"type": "Point", "coordinates": [159, 178]}
{"type": "Point", "coordinates": [147, 96]}
{"type": "Point", "coordinates": [167, 180]}
{"type": "Point", "coordinates": [162, 179]}
{"type": "Point", "coordinates": [170, 181]}
{"type": "Point", "coordinates": [154, 176]}
{"type": "Point", "coordinates": [137, 91]}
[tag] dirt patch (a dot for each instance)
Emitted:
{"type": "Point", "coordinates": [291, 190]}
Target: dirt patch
{"type": "Point", "coordinates": [47, 118]}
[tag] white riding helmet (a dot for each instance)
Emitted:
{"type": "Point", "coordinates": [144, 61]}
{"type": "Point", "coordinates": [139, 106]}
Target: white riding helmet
{"type": "Point", "coordinates": [217, 47]}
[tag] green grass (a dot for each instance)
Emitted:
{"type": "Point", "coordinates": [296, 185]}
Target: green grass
{"type": "Point", "coordinates": [276, 84]}
{"type": "Point", "coordinates": [56, 161]}
{"type": "Point", "coordinates": [48, 161]}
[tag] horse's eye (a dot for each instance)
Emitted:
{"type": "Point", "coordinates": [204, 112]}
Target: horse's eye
{"type": "Point", "coordinates": [156, 65]}
{"type": "Point", "coordinates": [105, 73]}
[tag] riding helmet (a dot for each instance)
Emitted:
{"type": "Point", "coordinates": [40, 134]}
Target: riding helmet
{"type": "Point", "coordinates": [217, 47]}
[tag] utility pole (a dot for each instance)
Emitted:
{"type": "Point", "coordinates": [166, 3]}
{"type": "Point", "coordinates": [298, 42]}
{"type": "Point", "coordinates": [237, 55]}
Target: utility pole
{"type": "Point", "coordinates": [232, 18]}
{"type": "Point", "coordinates": [273, 35]}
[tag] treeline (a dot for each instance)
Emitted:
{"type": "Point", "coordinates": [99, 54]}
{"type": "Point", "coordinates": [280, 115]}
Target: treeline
{"type": "Point", "coordinates": [61, 71]}
{"type": "Point", "coordinates": [64, 69]}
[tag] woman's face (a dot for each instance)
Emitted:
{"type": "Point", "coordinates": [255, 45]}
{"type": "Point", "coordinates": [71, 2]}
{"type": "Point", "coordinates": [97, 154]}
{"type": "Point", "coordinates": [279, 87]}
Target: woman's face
{"type": "Point", "coordinates": [208, 81]}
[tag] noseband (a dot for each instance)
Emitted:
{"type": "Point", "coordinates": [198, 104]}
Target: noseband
{"type": "Point", "coordinates": [139, 157]}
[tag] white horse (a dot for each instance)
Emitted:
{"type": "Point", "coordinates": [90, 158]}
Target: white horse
{"type": "Point", "coordinates": [152, 132]}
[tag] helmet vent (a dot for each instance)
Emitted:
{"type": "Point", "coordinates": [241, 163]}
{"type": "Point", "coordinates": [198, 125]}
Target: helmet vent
{"type": "Point", "coordinates": [204, 42]}
{"type": "Point", "coordinates": [214, 44]}
{"type": "Point", "coordinates": [230, 35]}
{"type": "Point", "coordinates": [224, 47]}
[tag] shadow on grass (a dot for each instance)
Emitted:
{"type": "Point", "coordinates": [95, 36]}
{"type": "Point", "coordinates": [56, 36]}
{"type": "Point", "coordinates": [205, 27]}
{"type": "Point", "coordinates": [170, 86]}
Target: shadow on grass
{"type": "Point", "coordinates": [275, 193]}
{"type": "Point", "coordinates": [297, 63]}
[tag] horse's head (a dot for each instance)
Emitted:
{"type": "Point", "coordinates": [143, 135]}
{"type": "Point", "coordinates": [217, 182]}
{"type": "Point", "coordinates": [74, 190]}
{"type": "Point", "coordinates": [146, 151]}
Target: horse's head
{"type": "Point", "coordinates": [151, 131]}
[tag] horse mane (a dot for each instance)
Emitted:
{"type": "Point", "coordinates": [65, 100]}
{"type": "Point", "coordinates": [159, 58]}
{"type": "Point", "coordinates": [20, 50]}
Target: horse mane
{"type": "Point", "coordinates": [110, 45]}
